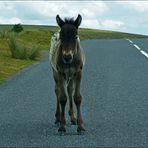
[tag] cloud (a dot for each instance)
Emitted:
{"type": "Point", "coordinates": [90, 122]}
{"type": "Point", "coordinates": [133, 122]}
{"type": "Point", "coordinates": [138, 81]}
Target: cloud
{"type": "Point", "coordinates": [141, 6]}
{"type": "Point", "coordinates": [70, 8]}
{"type": "Point", "coordinates": [90, 23]}
{"type": "Point", "coordinates": [6, 9]}
{"type": "Point", "coordinates": [13, 20]}
{"type": "Point", "coordinates": [45, 11]}
{"type": "Point", "coordinates": [102, 24]}
{"type": "Point", "coordinates": [111, 24]}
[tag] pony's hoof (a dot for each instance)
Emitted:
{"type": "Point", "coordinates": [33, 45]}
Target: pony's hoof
{"type": "Point", "coordinates": [74, 121]}
{"type": "Point", "coordinates": [62, 130]}
{"type": "Point", "coordinates": [81, 130]}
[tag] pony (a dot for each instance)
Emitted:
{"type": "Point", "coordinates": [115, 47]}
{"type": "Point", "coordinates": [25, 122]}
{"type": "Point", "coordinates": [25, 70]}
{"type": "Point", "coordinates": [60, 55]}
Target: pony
{"type": "Point", "coordinates": [67, 59]}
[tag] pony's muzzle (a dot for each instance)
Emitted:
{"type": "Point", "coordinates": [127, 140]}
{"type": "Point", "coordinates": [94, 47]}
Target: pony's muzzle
{"type": "Point", "coordinates": [67, 58]}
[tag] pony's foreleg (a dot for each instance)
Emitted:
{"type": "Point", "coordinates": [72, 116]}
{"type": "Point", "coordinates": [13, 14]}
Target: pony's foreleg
{"type": "Point", "coordinates": [63, 100]}
{"type": "Point", "coordinates": [58, 112]}
{"type": "Point", "coordinates": [78, 100]}
{"type": "Point", "coordinates": [70, 94]}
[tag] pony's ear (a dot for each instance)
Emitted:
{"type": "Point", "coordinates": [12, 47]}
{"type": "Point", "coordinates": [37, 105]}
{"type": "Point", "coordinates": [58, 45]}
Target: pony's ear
{"type": "Point", "coordinates": [60, 22]}
{"type": "Point", "coordinates": [78, 21]}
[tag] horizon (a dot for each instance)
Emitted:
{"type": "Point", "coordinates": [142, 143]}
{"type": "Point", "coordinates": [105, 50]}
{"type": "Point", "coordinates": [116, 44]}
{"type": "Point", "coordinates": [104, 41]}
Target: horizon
{"type": "Point", "coordinates": [79, 28]}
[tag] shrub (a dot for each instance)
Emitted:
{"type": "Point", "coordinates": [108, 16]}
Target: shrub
{"type": "Point", "coordinates": [17, 28]}
{"type": "Point", "coordinates": [13, 47]}
{"type": "Point", "coordinates": [23, 52]}
{"type": "Point", "coordinates": [34, 53]}
{"type": "Point", "coordinates": [19, 51]}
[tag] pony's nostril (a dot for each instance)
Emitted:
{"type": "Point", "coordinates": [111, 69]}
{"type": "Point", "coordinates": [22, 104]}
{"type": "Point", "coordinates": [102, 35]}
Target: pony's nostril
{"type": "Point", "coordinates": [67, 58]}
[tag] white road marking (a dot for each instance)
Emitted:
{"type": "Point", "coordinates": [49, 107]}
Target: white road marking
{"type": "Point", "coordinates": [127, 39]}
{"type": "Point", "coordinates": [144, 53]}
{"type": "Point", "coordinates": [130, 41]}
{"type": "Point", "coordinates": [137, 47]}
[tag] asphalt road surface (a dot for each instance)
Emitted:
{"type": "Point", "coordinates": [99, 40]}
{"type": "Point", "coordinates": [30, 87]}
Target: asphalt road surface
{"type": "Point", "coordinates": [114, 107]}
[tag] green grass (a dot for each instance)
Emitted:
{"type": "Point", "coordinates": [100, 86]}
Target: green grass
{"type": "Point", "coordinates": [9, 65]}
{"type": "Point", "coordinates": [106, 34]}
{"type": "Point", "coordinates": [35, 39]}
{"type": "Point", "coordinates": [19, 51]}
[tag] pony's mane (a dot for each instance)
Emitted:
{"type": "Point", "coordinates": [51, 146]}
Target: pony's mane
{"type": "Point", "coordinates": [69, 21]}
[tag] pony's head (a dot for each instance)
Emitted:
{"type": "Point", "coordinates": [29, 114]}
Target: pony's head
{"type": "Point", "coordinates": [68, 37]}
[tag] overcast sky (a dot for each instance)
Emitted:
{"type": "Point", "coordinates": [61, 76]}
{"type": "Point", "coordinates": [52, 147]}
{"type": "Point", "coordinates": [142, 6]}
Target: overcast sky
{"type": "Point", "coordinates": [125, 16]}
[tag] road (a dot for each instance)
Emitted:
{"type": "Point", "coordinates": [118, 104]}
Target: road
{"type": "Point", "coordinates": [114, 108]}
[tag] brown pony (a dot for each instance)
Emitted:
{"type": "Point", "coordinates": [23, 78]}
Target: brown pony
{"type": "Point", "coordinates": [67, 60]}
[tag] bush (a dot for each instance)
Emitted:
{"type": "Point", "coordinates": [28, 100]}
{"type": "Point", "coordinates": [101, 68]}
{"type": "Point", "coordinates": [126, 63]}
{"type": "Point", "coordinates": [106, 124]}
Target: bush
{"type": "Point", "coordinates": [13, 47]}
{"type": "Point", "coordinates": [17, 28]}
{"type": "Point", "coordinates": [19, 51]}
{"type": "Point", "coordinates": [34, 53]}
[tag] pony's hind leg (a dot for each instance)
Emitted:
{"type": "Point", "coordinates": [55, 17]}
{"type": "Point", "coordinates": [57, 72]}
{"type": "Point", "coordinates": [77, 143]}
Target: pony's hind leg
{"type": "Point", "coordinates": [70, 94]}
{"type": "Point", "coordinates": [58, 112]}
{"type": "Point", "coordinates": [78, 100]}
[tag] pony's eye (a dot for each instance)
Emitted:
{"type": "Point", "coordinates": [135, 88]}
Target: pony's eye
{"type": "Point", "coordinates": [76, 37]}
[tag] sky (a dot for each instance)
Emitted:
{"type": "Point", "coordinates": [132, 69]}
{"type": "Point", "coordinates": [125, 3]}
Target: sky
{"type": "Point", "coordinates": [124, 16]}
